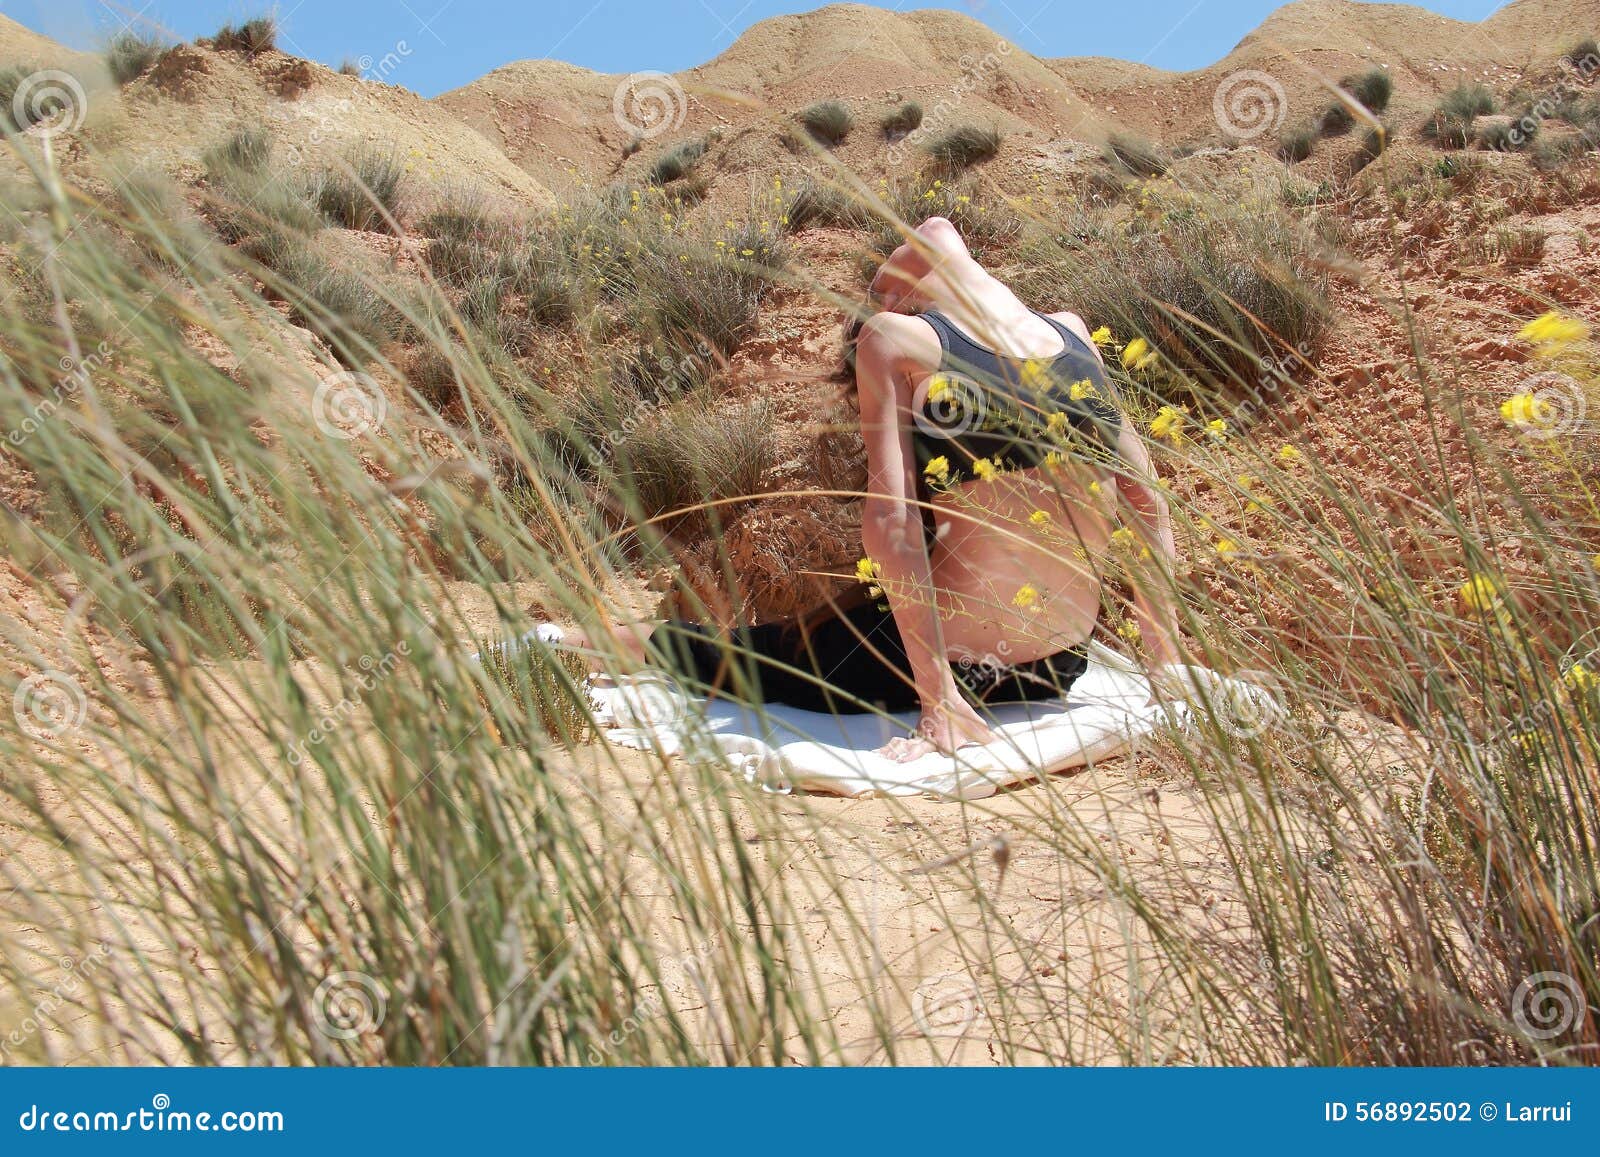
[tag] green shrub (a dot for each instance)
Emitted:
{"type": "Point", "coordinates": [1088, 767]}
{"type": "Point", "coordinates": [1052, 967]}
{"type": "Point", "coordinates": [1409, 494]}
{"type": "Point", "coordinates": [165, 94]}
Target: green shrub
{"type": "Point", "coordinates": [1508, 136]}
{"type": "Point", "coordinates": [1336, 120]}
{"type": "Point", "coordinates": [364, 194]}
{"type": "Point", "coordinates": [829, 121]}
{"type": "Point", "coordinates": [130, 54]}
{"type": "Point", "coordinates": [688, 293]}
{"type": "Point", "coordinates": [348, 67]}
{"type": "Point", "coordinates": [1372, 88]}
{"type": "Point", "coordinates": [1585, 56]}
{"type": "Point", "coordinates": [964, 146]}
{"type": "Point", "coordinates": [694, 451]}
{"type": "Point", "coordinates": [677, 162]}
{"type": "Point", "coordinates": [815, 203]}
{"type": "Point", "coordinates": [1214, 290]}
{"type": "Point", "coordinates": [1450, 124]}
{"type": "Point", "coordinates": [1298, 144]}
{"type": "Point", "coordinates": [1135, 155]}
{"type": "Point", "coordinates": [245, 150]}
{"type": "Point", "coordinates": [903, 119]}
{"type": "Point", "coordinates": [250, 37]}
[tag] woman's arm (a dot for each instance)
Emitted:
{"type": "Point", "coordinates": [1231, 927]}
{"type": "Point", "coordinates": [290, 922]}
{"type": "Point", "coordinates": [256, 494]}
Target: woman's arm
{"type": "Point", "coordinates": [1144, 506]}
{"type": "Point", "coordinates": [892, 532]}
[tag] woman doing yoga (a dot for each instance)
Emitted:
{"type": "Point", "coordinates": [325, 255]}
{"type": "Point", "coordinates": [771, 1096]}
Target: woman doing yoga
{"type": "Point", "coordinates": [999, 471]}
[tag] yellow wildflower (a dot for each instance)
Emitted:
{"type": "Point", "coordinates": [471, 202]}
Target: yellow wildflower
{"type": "Point", "coordinates": [1168, 424]}
{"type": "Point", "coordinates": [939, 388]}
{"type": "Point", "coordinates": [747, 253]}
{"type": "Point", "coordinates": [1129, 631]}
{"type": "Point", "coordinates": [1217, 430]}
{"type": "Point", "coordinates": [1055, 459]}
{"type": "Point", "coordinates": [1027, 597]}
{"type": "Point", "coordinates": [1040, 518]}
{"type": "Point", "coordinates": [1480, 594]}
{"type": "Point", "coordinates": [1137, 354]}
{"type": "Point", "coordinates": [1596, 561]}
{"type": "Point", "coordinates": [1123, 538]}
{"type": "Point", "coordinates": [1525, 410]}
{"type": "Point", "coordinates": [867, 571]}
{"type": "Point", "coordinates": [1035, 374]}
{"type": "Point", "coordinates": [1055, 423]}
{"type": "Point", "coordinates": [1553, 333]}
{"type": "Point", "coordinates": [1226, 547]}
{"type": "Point", "coordinates": [986, 469]}
{"type": "Point", "coordinates": [1096, 489]}
{"type": "Point", "coordinates": [1290, 456]}
{"type": "Point", "coordinates": [1102, 336]}
{"type": "Point", "coordinates": [1580, 679]}
{"type": "Point", "coordinates": [1082, 390]}
{"type": "Point", "coordinates": [937, 470]}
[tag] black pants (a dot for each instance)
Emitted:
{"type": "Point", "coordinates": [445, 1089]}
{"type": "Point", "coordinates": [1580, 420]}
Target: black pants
{"type": "Point", "coordinates": [845, 664]}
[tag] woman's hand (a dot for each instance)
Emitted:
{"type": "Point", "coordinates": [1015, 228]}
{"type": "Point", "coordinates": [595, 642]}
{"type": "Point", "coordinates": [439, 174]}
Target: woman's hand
{"type": "Point", "coordinates": [944, 727]}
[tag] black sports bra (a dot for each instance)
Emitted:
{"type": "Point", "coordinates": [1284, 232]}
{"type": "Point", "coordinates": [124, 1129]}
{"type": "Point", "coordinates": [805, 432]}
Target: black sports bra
{"type": "Point", "coordinates": [981, 410]}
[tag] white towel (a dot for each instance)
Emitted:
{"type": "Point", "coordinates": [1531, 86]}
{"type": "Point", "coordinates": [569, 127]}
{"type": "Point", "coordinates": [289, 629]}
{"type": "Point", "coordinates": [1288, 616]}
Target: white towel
{"type": "Point", "coordinates": [786, 749]}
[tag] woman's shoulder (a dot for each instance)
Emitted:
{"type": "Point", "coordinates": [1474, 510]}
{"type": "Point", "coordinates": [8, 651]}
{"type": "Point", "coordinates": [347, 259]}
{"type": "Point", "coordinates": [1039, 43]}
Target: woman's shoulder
{"type": "Point", "coordinates": [898, 337]}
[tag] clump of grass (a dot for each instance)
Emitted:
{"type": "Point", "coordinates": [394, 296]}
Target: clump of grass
{"type": "Point", "coordinates": [677, 162]}
{"type": "Point", "coordinates": [1297, 144]}
{"type": "Point", "coordinates": [349, 67]}
{"type": "Point", "coordinates": [692, 452]}
{"type": "Point", "coordinates": [1135, 155]}
{"type": "Point", "coordinates": [340, 305]}
{"type": "Point", "coordinates": [962, 147]}
{"type": "Point", "coordinates": [251, 37]}
{"type": "Point", "coordinates": [1508, 136]}
{"type": "Point", "coordinates": [130, 54]}
{"type": "Point", "coordinates": [902, 120]}
{"type": "Point", "coordinates": [1450, 125]}
{"type": "Point", "coordinates": [1372, 88]}
{"type": "Point", "coordinates": [365, 193]}
{"type": "Point", "coordinates": [816, 203]}
{"type": "Point", "coordinates": [1373, 145]}
{"type": "Point", "coordinates": [1585, 56]}
{"type": "Point", "coordinates": [544, 684]}
{"type": "Point", "coordinates": [1214, 287]}
{"type": "Point", "coordinates": [695, 294]}
{"type": "Point", "coordinates": [829, 121]}
{"type": "Point", "coordinates": [245, 150]}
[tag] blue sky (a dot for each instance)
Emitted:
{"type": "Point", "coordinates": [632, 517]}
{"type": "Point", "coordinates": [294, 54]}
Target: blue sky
{"type": "Point", "coordinates": [451, 42]}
